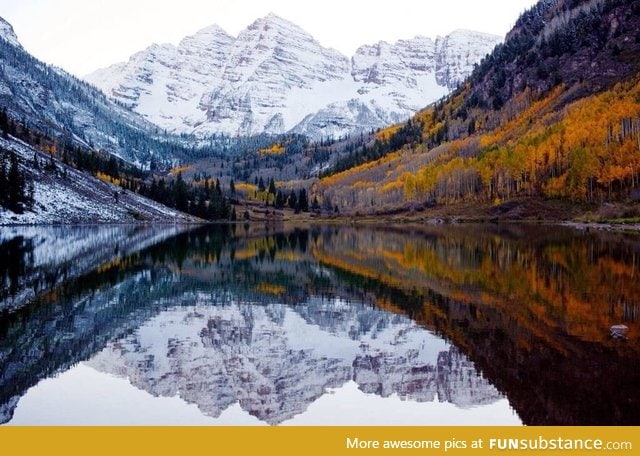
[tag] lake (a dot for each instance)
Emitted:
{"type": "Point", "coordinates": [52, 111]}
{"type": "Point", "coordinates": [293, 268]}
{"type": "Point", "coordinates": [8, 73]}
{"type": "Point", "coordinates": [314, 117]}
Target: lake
{"type": "Point", "coordinates": [318, 325]}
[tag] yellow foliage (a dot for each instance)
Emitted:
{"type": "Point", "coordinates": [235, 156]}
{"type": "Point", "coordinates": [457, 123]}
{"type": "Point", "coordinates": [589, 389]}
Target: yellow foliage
{"type": "Point", "coordinates": [588, 150]}
{"type": "Point", "coordinates": [179, 169]}
{"type": "Point", "coordinates": [361, 184]}
{"type": "Point", "coordinates": [593, 141]}
{"type": "Point", "coordinates": [244, 187]}
{"type": "Point", "coordinates": [344, 176]}
{"type": "Point", "coordinates": [391, 186]}
{"type": "Point", "coordinates": [106, 178]}
{"type": "Point", "coordinates": [245, 254]}
{"type": "Point", "coordinates": [386, 133]}
{"type": "Point", "coordinates": [275, 149]}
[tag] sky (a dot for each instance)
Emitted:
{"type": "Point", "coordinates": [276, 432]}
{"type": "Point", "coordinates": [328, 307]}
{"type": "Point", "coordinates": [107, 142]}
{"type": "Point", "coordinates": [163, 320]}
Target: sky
{"type": "Point", "coordinates": [83, 35]}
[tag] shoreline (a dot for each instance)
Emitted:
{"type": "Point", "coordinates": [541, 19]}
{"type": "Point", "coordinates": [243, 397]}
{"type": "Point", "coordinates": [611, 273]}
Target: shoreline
{"type": "Point", "coordinates": [300, 219]}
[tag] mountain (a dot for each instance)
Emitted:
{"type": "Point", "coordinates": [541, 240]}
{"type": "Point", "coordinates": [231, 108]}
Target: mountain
{"type": "Point", "coordinates": [47, 118]}
{"type": "Point", "coordinates": [274, 78]}
{"type": "Point", "coordinates": [55, 104]}
{"type": "Point", "coordinates": [552, 113]}
{"type": "Point", "coordinates": [68, 154]}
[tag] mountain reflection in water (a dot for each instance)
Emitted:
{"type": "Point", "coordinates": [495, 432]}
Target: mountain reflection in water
{"type": "Point", "coordinates": [274, 321]}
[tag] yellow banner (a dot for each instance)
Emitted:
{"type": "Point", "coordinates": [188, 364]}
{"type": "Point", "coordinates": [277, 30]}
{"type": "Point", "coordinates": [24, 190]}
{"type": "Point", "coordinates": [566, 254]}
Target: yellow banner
{"type": "Point", "coordinates": [90, 441]}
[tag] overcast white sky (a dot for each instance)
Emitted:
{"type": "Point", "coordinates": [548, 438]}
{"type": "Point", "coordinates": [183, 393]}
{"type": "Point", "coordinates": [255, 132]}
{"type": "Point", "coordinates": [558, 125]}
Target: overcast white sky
{"type": "Point", "coordinates": [83, 35]}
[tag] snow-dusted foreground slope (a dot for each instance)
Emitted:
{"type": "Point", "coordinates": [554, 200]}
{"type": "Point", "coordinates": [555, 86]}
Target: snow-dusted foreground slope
{"type": "Point", "coordinates": [275, 78]}
{"type": "Point", "coordinates": [68, 196]}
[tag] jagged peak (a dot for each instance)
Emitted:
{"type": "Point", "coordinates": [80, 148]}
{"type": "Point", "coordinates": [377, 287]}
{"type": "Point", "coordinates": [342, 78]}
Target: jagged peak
{"type": "Point", "coordinates": [7, 33]}
{"type": "Point", "coordinates": [466, 32]}
{"type": "Point", "coordinates": [274, 21]}
{"type": "Point", "coordinates": [419, 40]}
{"type": "Point", "coordinates": [153, 50]}
{"type": "Point", "coordinates": [422, 40]}
{"type": "Point", "coordinates": [210, 33]}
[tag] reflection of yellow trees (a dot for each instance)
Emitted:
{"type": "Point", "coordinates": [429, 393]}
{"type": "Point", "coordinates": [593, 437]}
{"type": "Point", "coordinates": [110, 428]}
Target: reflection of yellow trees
{"type": "Point", "coordinates": [254, 247]}
{"type": "Point", "coordinates": [270, 288]}
{"type": "Point", "coordinates": [289, 255]}
{"type": "Point", "coordinates": [245, 254]}
{"type": "Point", "coordinates": [579, 287]}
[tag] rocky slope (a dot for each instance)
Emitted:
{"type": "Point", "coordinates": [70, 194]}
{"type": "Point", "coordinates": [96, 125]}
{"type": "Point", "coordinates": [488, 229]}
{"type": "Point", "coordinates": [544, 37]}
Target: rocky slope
{"type": "Point", "coordinates": [8, 34]}
{"type": "Point", "coordinates": [275, 78]}
{"type": "Point", "coordinates": [64, 195]}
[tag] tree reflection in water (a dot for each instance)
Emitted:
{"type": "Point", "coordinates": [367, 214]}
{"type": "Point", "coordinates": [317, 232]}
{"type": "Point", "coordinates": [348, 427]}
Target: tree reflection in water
{"type": "Point", "coordinates": [272, 320]}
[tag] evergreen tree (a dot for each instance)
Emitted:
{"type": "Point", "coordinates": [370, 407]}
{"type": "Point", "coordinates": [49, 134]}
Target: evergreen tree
{"type": "Point", "coordinates": [279, 202]}
{"type": "Point", "coordinates": [315, 205]}
{"type": "Point", "coordinates": [4, 191]}
{"type": "Point", "coordinates": [201, 207]}
{"type": "Point", "coordinates": [162, 192]}
{"type": "Point", "coordinates": [303, 202]}
{"type": "Point", "coordinates": [293, 201]}
{"type": "Point", "coordinates": [207, 189]}
{"type": "Point", "coordinates": [153, 189]}
{"type": "Point", "coordinates": [181, 194]}
{"type": "Point", "coordinates": [4, 124]}
{"type": "Point", "coordinates": [15, 186]}
{"type": "Point", "coordinates": [113, 169]}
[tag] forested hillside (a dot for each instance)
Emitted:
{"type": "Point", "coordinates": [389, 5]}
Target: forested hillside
{"type": "Point", "coordinates": [553, 113]}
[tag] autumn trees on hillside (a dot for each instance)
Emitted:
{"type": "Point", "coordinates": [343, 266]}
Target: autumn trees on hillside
{"type": "Point", "coordinates": [588, 151]}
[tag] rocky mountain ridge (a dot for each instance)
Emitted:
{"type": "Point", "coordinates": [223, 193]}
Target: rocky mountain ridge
{"type": "Point", "coordinates": [276, 78]}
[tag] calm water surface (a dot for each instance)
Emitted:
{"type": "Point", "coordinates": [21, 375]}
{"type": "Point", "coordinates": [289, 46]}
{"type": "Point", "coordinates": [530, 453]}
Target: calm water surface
{"type": "Point", "coordinates": [319, 325]}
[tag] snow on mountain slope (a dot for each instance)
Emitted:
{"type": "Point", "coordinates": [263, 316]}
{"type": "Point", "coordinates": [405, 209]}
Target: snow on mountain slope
{"type": "Point", "coordinates": [64, 195]}
{"type": "Point", "coordinates": [166, 79]}
{"type": "Point", "coordinates": [455, 58]}
{"type": "Point", "coordinates": [57, 104]}
{"type": "Point", "coordinates": [275, 78]}
{"type": "Point", "coordinates": [7, 33]}
{"type": "Point", "coordinates": [268, 59]}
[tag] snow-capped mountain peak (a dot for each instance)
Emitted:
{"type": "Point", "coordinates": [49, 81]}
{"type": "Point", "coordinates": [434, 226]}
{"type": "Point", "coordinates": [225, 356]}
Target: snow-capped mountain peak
{"type": "Point", "coordinates": [7, 33]}
{"type": "Point", "coordinates": [274, 77]}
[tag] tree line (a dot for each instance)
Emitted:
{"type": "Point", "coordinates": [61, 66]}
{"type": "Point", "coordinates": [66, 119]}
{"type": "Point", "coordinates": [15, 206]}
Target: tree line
{"type": "Point", "coordinates": [202, 199]}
